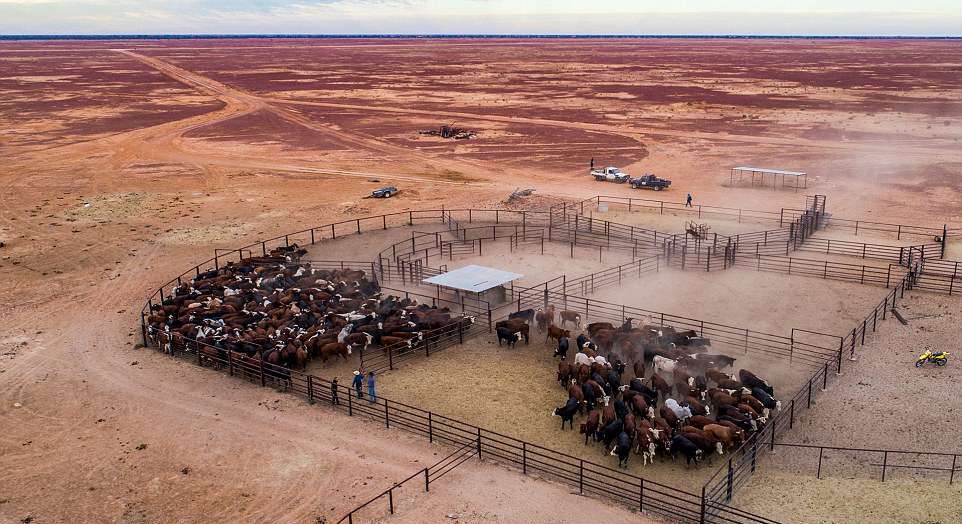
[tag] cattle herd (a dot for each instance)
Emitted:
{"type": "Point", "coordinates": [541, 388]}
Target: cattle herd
{"type": "Point", "coordinates": [688, 404]}
{"type": "Point", "coordinates": [276, 310]}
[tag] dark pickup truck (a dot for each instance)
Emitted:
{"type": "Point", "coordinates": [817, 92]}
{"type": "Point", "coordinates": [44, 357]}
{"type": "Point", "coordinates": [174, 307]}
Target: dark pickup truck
{"type": "Point", "coordinates": [650, 181]}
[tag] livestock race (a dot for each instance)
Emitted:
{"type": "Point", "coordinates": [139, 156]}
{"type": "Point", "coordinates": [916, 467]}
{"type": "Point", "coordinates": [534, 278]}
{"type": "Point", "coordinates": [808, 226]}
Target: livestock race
{"type": "Point", "coordinates": [477, 279]}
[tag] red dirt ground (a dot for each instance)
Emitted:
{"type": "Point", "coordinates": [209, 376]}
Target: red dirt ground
{"type": "Point", "coordinates": [180, 147]}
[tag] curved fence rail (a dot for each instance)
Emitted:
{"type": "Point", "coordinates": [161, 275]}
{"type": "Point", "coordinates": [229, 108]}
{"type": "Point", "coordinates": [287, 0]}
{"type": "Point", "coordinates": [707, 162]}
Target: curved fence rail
{"type": "Point", "coordinates": [588, 477]}
{"type": "Point", "coordinates": [430, 474]}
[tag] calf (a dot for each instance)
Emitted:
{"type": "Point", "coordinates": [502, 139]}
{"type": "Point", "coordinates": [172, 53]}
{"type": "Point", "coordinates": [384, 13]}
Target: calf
{"type": "Point", "coordinates": [506, 335]}
{"type": "Point", "coordinates": [682, 445]}
{"type": "Point", "coordinates": [567, 412]}
{"type": "Point", "coordinates": [590, 426]}
{"type": "Point", "coordinates": [700, 421]}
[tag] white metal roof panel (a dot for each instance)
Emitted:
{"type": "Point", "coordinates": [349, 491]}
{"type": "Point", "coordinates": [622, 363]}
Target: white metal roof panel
{"type": "Point", "coordinates": [770, 171]}
{"type": "Point", "coordinates": [473, 278]}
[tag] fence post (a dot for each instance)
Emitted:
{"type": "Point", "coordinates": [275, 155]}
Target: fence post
{"type": "Point", "coordinates": [350, 403]}
{"type": "Point", "coordinates": [263, 382]}
{"type": "Point", "coordinates": [818, 472]}
{"type": "Point", "coordinates": [524, 457]}
{"type": "Point", "coordinates": [479, 443]}
{"type": "Point", "coordinates": [791, 416]}
{"type": "Point", "coordinates": [430, 428]}
{"type": "Point", "coordinates": [885, 461]}
{"type": "Point", "coordinates": [427, 481]}
{"type": "Point", "coordinates": [581, 477]}
{"type": "Point", "coordinates": [230, 363]}
{"type": "Point", "coordinates": [310, 389]}
{"type": "Point", "coordinates": [825, 378]}
{"type": "Point", "coordinates": [701, 517]}
{"type": "Point", "coordinates": [731, 475]}
{"type": "Point", "coordinates": [809, 394]}
{"type": "Point", "coordinates": [387, 421]}
{"type": "Point", "coordinates": [952, 474]}
{"type": "Point", "coordinates": [390, 499]}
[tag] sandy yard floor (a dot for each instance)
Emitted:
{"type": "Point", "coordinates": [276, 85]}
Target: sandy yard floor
{"type": "Point", "coordinates": [769, 302]}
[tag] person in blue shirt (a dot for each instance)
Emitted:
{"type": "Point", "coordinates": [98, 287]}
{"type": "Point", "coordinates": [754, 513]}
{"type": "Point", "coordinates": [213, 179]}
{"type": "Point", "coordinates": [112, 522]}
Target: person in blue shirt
{"type": "Point", "coordinates": [358, 382]}
{"type": "Point", "coordinates": [688, 201]}
{"type": "Point", "coordinates": [370, 388]}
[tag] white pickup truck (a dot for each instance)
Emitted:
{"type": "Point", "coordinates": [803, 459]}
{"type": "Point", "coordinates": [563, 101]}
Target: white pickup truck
{"type": "Point", "coordinates": [609, 174]}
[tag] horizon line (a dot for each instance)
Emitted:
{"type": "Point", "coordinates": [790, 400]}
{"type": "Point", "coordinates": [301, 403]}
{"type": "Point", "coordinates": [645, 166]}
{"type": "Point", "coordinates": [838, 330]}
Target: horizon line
{"type": "Point", "coordinates": [200, 36]}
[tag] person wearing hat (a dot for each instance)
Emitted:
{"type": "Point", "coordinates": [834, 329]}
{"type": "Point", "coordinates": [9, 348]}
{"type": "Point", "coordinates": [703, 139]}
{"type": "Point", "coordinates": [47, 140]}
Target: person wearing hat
{"type": "Point", "coordinates": [334, 400]}
{"type": "Point", "coordinates": [358, 383]}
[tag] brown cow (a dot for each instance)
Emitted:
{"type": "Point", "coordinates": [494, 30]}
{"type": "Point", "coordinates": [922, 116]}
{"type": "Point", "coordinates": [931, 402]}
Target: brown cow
{"type": "Point", "coordinates": [589, 426]}
{"type": "Point", "coordinates": [571, 316]}
{"type": "Point", "coordinates": [723, 434]}
{"type": "Point", "coordinates": [659, 384]}
{"type": "Point", "coordinates": [556, 333]}
{"type": "Point", "coordinates": [700, 421]}
{"type": "Point", "coordinates": [335, 349]}
{"type": "Point", "coordinates": [669, 416]}
{"type": "Point", "coordinates": [574, 391]}
{"type": "Point", "coordinates": [544, 318]}
{"type": "Point", "coordinates": [564, 373]}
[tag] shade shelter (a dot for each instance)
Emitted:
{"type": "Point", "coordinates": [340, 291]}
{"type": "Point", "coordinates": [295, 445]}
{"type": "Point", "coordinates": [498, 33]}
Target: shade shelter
{"type": "Point", "coordinates": [799, 178]}
{"type": "Point", "coordinates": [479, 281]}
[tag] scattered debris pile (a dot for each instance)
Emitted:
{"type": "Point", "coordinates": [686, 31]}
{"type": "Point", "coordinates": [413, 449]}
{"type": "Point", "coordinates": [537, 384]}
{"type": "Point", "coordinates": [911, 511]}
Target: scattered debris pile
{"type": "Point", "coordinates": [518, 194]}
{"type": "Point", "coordinates": [457, 133]}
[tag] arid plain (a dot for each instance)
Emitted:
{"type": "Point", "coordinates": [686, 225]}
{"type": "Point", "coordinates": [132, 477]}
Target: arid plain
{"type": "Point", "coordinates": [126, 162]}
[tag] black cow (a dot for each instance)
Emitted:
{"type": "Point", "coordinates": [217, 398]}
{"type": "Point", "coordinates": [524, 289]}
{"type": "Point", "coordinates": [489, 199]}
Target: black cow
{"type": "Point", "coordinates": [567, 412]}
{"type": "Point", "coordinates": [590, 397]}
{"type": "Point", "coordinates": [582, 340]}
{"type": "Point", "coordinates": [686, 448]}
{"type": "Point", "coordinates": [715, 360]}
{"type": "Point", "coordinates": [610, 432]}
{"type": "Point", "coordinates": [602, 382]}
{"type": "Point", "coordinates": [614, 380]}
{"type": "Point", "coordinates": [751, 381]}
{"type": "Point", "coordinates": [621, 409]}
{"type": "Point", "coordinates": [766, 398]}
{"type": "Point", "coordinates": [506, 335]}
{"type": "Point", "coordinates": [562, 350]}
{"type": "Point", "coordinates": [744, 424]}
{"type": "Point", "coordinates": [526, 314]}
{"type": "Point", "coordinates": [622, 449]}
{"type": "Point", "coordinates": [651, 396]}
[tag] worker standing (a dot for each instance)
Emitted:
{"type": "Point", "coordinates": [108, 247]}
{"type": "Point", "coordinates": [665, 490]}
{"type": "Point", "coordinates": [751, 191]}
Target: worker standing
{"type": "Point", "coordinates": [688, 201]}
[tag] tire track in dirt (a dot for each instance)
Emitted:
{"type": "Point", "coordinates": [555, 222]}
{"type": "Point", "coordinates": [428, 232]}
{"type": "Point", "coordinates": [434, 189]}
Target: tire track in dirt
{"type": "Point", "coordinates": [636, 132]}
{"type": "Point", "coordinates": [253, 103]}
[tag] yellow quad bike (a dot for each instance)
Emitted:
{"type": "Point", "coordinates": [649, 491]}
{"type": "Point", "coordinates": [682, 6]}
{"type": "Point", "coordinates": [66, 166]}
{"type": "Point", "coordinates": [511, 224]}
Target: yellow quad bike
{"type": "Point", "coordinates": [940, 358]}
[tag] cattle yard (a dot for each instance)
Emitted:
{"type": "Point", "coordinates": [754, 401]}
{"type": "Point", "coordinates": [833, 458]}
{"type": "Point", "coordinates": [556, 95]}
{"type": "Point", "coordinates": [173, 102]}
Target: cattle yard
{"type": "Point", "coordinates": [802, 279]}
